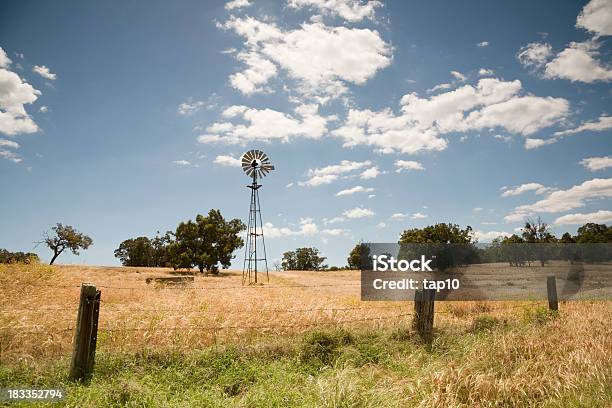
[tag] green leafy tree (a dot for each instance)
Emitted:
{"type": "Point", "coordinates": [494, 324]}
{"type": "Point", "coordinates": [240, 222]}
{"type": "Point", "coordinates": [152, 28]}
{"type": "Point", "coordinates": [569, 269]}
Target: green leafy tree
{"type": "Point", "coordinates": [359, 257]}
{"type": "Point", "coordinates": [206, 243]}
{"type": "Point", "coordinates": [537, 231]}
{"type": "Point", "coordinates": [18, 257]}
{"type": "Point", "coordinates": [136, 252]}
{"type": "Point", "coordinates": [303, 259]}
{"type": "Point", "coordinates": [66, 237]}
{"type": "Point", "coordinates": [447, 244]}
{"type": "Point", "coordinates": [591, 233]}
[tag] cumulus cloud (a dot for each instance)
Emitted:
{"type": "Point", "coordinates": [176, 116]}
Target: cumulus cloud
{"type": "Point", "coordinates": [184, 163]}
{"type": "Point", "coordinates": [534, 55]}
{"type": "Point", "coordinates": [8, 154]}
{"type": "Point", "coordinates": [485, 72]}
{"type": "Point", "coordinates": [370, 173]}
{"type": "Point", "coordinates": [266, 125]}
{"type": "Point", "coordinates": [307, 227]}
{"type": "Point", "coordinates": [407, 165]}
{"type": "Point", "coordinates": [439, 87]}
{"type": "Point", "coordinates": [488, 236]}
{"type": "Point", "coordinates": [598, 217]}
{"type": "Point", "coordinates": [399, 216]}
{"type": "Point", "coordinates": [227, 161]}
{"type": "Point", "coordinates": [458, 76]}
{"type": "Point", "coordinates": [350, 10]}
{"type": "Point", "coordinates": [9, 143]}
{"type": "Point", "coordinates": [535, 142]}
{"type": "Point", "coordinates": [237, 4]}
{"type": "Point", "coordinates": [259, 70]}
{"type": "Point", "coordinates": [44, 72]}
{"type": "Point", "coordinates": [329, 174]}
{"type": "Point", "coordinates": [604, 122]}
{"type": "Point", "coordinates": [596, 17]}
{"type": "Point", "coordinates": [523, 188]}
{"type": "Point", "coordinates": [354, 190]}
{"type": "Point", "coordinates": [417, 216]}
{"type": "Point", "coordinates": [5, 61]}
{"type": "Point", "coordinates": [597, 163]}
{"type": "Point", "coordinates": [483, 44]}
{"type": "Point", "coordinates": [190, 107]}
{"type": "Point", "coordinates": [565, 200]}
{"type": "Point", "coordinates": [14, 95]}
{"type": "Point", "coordinates": [358, 212]}
{"type": "Point", "coordinates": [321, 59]}
{"type": "Point", "coordinates": [492, 103]}
{"type": "Point", "coordinates": [579, 62]}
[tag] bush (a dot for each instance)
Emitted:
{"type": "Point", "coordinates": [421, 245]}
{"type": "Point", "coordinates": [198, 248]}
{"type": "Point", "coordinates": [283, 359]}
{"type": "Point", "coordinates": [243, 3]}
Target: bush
{"type": "Point", "coordinates": [18, 257]}
{"type": "Point", "coordinates": [321, 348]}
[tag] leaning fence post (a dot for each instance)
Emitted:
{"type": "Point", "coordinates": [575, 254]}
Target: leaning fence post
{"type": "Point", "coordinates": [424, 313]}
{"type": "Point", "coordinates": [86, 333]}
{"type": "Point", "coordinates": [551, 288]}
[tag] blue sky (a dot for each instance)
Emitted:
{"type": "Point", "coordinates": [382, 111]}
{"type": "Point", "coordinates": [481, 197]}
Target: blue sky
{"type": "Point", "coordinates": [123, 119]}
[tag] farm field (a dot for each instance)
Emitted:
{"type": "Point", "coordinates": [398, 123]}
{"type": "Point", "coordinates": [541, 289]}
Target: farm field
{"type": "Point", "coordinates": [304, 339]}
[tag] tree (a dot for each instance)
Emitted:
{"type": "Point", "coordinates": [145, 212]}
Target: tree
{"type": "Point", "coordinates": [18, 257]}
{"type": "Point", "coordinates": [359, 257]}
{"type": "Point", "coordinates": [538, 232]}
{"type": "Point", "coordinates": [303, 259]}
{"type": "Point", "coordinates": [206, 243]}
{"type": "Point", "coordinates": [136, 252]}
{"type": "Point", "coordinates": [591, 233]}
{"type": "Point", "coordinates": [447, 244]}
{"type": "Point", "coordinates": [66, 237]}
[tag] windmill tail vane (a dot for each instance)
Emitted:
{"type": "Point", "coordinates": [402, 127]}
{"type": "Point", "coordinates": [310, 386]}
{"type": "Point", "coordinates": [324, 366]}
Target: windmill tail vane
{"type": "Point", "coordinates": [256, 164]}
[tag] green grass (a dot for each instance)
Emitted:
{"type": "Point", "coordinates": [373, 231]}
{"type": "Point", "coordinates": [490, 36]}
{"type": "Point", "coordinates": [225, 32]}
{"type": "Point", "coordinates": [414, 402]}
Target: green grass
{"type": "Point", "coordinates": [332, 368]}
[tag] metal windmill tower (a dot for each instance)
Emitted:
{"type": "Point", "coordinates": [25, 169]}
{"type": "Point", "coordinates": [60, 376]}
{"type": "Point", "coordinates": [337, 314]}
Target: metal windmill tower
{"type": "Point", "coordinates": [256, 164]}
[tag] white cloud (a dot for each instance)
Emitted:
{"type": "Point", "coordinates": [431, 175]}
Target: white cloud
{"type": "Point", "coordinates": [289, 185]}
{"type": "Point", "coordinates": [14, 95]}
{"type": "Point", "coordinates": [9, 143]}
{"type": "Point", "coordinates": [399, 216]}
{"type": "Point", "coordinates": [185, 163]}
{"type": "Point", "coordinates": [503, 138]}
{"type": "Point", "coordinates": [5, 61]}
{"type": "Point", "coordinates": [321, 58]}
{"type": "Point", "coordinates": [370, 173]}
{"type": "Point", "coordinates": [439, 87]}
{"type": "Point", "coordinates": [604, 122]}
{"type": "Point", "coordinates": [329, 174]}
{"type": "Point", "coordinates": [597, 163]}
{"type": "Point", "coordinates": [44, 72]}
{"type": "Point", "coordinates": [307, 227]}
{"type": "Point", "coordinates": [491, 104]}
{"type": "Point", "coordinates": [250, 124]}
{"type": "Point", "coordinates": [523, 188]}
{"type": "Point", "coordinates": [599, 217]}
{"type": "Point", "coordinates": [43, 109]}
{"type": "Point", "coordinates": [478, 209]}
{"type": "Point", "coordinates": [259, 71]}
{"type": "Point", "coordinates": [565, 200]}
{"type": "Point", "coordinates": [358, 212]}
{"type": "Point", "coordinates": [535, 143]}
{"type": "Point", "coordinates": [227, 161]}
{"type": "Point", "coordinates": [489, 236]}
{"type": "Point", "coordinates": [458, 76]}
{"type": "Point", "coordinates": [483, 44]}
{"type": "Point", "coordinates": [417, 216]}
{"type": "Point", "coordinates": [10, 155]}
{"type": "Point", "coordinates": [579, 62]}
{"type": "Point", "coordinates": [189, 107]}
{"type": "Point", "coordinates": [371, 195]}
{"type": "Point", "coordinates": [350, 10]}
{"type": "Point", "coordinates": [534, 55]}
{"type": "Point", "coordinates": [381, 225]}
{"type": "Point", "coordinates": [236, 4]}
{"type": "Point", "coordinates": [407, 165]}
{"type": "Point", "coordinates": [354, 190]}
{"type": "Point", "coordinates": [485, 72]}
{"type": "Point", "coordinates": [334, 220]}
{"type": "Point", "coordinates": [596, 17]}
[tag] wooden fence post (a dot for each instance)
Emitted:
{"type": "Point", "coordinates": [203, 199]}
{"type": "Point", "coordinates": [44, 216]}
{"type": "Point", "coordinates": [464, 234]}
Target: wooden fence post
{"type": "Point", "coordinates": [551, 288]}
{"type": "Point", "coordinates": [86, 333]}
{"type": "Point", "coordinates": [424, 313]}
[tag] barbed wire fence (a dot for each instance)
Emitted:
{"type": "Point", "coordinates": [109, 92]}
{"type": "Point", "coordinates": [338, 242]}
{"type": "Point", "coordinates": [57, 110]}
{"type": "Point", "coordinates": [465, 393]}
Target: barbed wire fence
{"type": "Point", "coordinates": [67, 328]}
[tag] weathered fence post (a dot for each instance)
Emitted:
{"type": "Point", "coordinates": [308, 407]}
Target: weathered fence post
{"type": "Point", "coordinates": [86, 333]}
{"type": "Point", "coordinates": [551, 288]}
{"type": "Point", "coordinates": [424, 313]}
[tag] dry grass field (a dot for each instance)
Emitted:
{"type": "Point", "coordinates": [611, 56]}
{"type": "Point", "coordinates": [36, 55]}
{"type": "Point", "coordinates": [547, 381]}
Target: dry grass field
{"type": "Point", "coordinates": [304, 339]}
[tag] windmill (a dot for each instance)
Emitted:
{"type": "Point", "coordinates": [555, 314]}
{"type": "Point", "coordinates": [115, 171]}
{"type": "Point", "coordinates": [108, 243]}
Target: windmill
{"type": "Point", "coordinates": [256, 164]}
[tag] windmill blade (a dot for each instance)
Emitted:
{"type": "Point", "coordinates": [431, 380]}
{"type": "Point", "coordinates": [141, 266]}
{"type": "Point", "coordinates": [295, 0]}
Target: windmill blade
{"type": "Point", "coordinates": [267, 167]}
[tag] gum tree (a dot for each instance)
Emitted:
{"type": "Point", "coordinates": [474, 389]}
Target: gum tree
{"type": "Point", "coordinates": [66, 237]}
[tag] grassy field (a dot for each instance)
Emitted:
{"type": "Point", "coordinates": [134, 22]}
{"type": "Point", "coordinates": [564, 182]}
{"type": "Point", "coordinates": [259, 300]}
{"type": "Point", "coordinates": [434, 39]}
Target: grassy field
{"type": "Point", "coordinates": [303, 340]}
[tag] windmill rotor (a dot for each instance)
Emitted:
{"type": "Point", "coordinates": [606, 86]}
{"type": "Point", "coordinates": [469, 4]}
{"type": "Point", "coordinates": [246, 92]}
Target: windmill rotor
{"type": "Point", "coordinates": [256, 163]}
